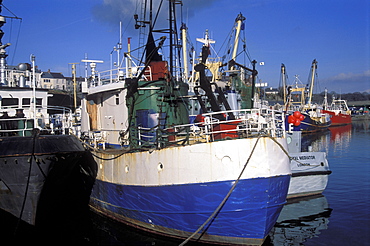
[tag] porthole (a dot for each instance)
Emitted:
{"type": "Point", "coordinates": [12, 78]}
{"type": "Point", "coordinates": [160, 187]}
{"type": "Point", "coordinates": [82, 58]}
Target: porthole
{"type": "Point", "coordinates": [289, 140]}
{"type": "Point", "coordinates": [160, 166]}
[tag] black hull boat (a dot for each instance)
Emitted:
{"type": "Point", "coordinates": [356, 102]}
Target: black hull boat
{"type": "Point", "coordinates": [41, 171]}
{"type": "Point", "coordinates": [46, 175]}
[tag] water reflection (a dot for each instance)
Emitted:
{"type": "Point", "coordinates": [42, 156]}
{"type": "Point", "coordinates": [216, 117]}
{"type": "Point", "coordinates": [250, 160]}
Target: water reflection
{"type": "Point", "coordinates": [106, 231]}
{"type": "Point", "coordinates": [340, 137]}
{"type": "Point", "coordinates": [300, 220]}
{"type": "Point", "coordinates": [361, 125]}
{"type": "Point", "coordinates": [316, 142]}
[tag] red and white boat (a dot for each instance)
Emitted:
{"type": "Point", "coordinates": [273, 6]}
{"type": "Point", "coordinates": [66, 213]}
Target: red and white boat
{"type": "Point", "coordinates": [338, 112]}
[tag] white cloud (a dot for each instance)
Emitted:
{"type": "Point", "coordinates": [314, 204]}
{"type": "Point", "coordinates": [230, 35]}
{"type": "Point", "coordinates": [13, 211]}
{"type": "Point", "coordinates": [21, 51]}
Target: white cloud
{"type": "Point", "coordinates": [348, 82]}
{"type": "Point", "coordinates": [351, 76]}
{"type": "Point", "coordinates": [113, 11]}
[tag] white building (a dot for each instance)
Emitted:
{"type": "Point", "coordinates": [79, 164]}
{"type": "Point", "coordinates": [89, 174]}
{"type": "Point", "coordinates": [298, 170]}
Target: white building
{"type": "Point", "coordinates": [51, 80]}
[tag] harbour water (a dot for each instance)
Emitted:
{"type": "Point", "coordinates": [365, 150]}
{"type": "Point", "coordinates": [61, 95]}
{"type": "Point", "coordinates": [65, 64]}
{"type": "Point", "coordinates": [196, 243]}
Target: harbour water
{"type": "Point", "coordinates": [341, 216]}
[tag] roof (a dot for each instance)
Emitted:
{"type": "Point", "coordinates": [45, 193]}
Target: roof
{"type": "Point", "coordinates": [51, 75]}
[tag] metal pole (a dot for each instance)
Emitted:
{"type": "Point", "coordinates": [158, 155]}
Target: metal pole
{"type": "Point", "coordinates": [184, 51]}
{"type": "Point", "coordinates": [34, 90]}
{"type": "Point", "coordinates": [283, 78]}
{"type": "Point", "coordinates": [171, 37]}
{"type": "Point", "coordinates": [74, 86]}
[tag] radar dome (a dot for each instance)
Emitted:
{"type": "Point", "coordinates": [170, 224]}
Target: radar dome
{"type": "Point", "coordinates": [24, 66]}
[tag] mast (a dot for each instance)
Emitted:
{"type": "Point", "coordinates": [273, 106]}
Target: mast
{"type": "Point", "coordinates": [3, 54]}
{"type": "Point", "coordinates": [239, 20]}
{"type": "Point", "coordinates": [33, 90]}
{"type": "Point", "coordinates": [74, 85]}
{"type": "Point", "coordinates": [119, 46]}
{"type": "Point", "coordinates": [128, 58]}
{"type": "Point", "coordinates": [184, 51]}
{"type": "Point", "coordinates": [254, 75]}
{"type": "Point", "coordinates": [326, 99]}
{"type": "Point", "coordinates": [141, 25]}
{"type": "Point", "coordinates": [283, 80]}
{"type": "Point", "coordinates": [171, 35]}
{"type": "Point", "coordinates": [313, 72]}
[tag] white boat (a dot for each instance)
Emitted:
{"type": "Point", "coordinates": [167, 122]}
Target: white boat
{"type": "Point", "coordinates": [310, 170]}
{"type": "Point", "coordinates": [222, 179]}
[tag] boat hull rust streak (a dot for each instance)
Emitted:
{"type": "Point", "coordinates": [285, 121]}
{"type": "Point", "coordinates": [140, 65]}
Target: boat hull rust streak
{"type": "Point", "coordinates": [173, 191]}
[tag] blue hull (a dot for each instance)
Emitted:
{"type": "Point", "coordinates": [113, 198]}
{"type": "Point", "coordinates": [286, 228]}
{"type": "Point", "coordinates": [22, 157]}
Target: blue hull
{"type": "Point", "coordinates": [178, 210]}
{"type": "Point", "coordinates": [308, 125]}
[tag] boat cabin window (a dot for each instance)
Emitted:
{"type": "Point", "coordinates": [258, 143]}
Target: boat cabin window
{"type": "Point", "coordinates": [117, 99]}
{"type": "Point", "coordinates": [26, 101]}
{"type": "Point", "coordinates": [9, 101]}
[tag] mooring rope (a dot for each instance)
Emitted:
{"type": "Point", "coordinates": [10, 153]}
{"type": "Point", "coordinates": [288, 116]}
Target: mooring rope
{"type": "Point", "coordinates": [224, 200]}
{"type": "Point", "coordinates": [217, 210]}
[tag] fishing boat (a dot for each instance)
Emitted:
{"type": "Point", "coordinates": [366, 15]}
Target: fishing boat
{"type": "Point", "coordinates": [302, 114]}
{"type": "Point", "coordinates": [219, 177]}
{"type": "Point", "coordinates": [310, 169]}
{"type": "Point", "coordinates": [37, 154]}
{"type": "Point", "coordinates": [338, 111]}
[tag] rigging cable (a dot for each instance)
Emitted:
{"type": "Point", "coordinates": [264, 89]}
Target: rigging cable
{"type": "Point", "coordinates": [19, 29]}
{"type": "Point", "coordinates": [156, 16]}
{"type": "Point", "coordinates": [16, 42]}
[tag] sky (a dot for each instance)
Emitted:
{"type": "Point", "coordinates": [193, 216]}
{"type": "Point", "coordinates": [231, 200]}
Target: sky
{"type": "Point", "coordinates": [334, 32]}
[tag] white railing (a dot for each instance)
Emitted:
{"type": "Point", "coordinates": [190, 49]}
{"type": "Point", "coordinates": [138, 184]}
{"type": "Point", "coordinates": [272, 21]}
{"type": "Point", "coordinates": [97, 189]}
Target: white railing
{"type": "Point", "coordinates": [120, 74]}
{"type": "Point", "coordinates": [247, 123]}
{"type": "Point", "coordinates": [57, 122]}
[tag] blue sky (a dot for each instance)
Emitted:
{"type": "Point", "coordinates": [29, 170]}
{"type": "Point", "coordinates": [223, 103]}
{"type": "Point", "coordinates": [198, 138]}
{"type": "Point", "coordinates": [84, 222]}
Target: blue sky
{"type": "Point", "coordinates": [335, 32]}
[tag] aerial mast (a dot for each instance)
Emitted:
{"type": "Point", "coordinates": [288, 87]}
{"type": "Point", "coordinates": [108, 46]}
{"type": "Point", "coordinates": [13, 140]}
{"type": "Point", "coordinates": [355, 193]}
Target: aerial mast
{"type": "Point", "coordinates": [74, 85]}
{"type": "Point", "coordinates": [34, 89]}
{"type": "Point", "coordinates": [128, 58]}
{"type": "Point", "coordinates": [119, 46]}
{"type": "Point", "coordinates": [171, 32]}
{"type": "Point", "coordinates": [184, 51]}
{"type": "Point", "coordinates": [313, 72]}
{"type": "Point", "coordinates": [3, 54]}
{"type": "Point", "coordinates": [283, 80]}
{"type": "Point", "coordinates": [239, 20]}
